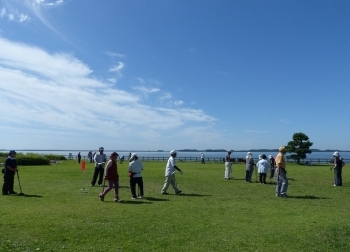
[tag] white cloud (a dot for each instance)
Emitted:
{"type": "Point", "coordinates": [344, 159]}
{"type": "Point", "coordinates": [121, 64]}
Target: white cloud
{"type": "Point", "coordinates": [117, 68]}
{"type": "Point", "coordinates": [3, 12]}
{"type": "Point", "coordinates": [178, 102]}
{"type": "Point", "coordinates": [11, 17]}
{"type": "Point", "coordinates": [112, 54]}
{"type": "Point", "coordinates": [23, 18]}
{"type": "Point", "coordinates": [56, 94]}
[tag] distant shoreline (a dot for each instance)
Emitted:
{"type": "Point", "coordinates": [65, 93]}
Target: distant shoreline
{"type": "Point", "coordinates": [180, 150]}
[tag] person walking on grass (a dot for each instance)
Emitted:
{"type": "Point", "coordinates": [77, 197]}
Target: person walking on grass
{"type": "Point", "coordinates": [10, 168]}
{"type": "Point", "coordinates": [338, 167]}
{"type": "Point", "coordinates": [282, 181]}
{"type": "Point", "coordinates": [100, 160]}
{"type": "Point", "coordinates": [135, 169]}
{"type": "Point", "coordinates": [228, 165]}
{"type": "Point", "coordinates": [111, 175]}
{"type": "Point", "coordinates": [170, 174]}
{"type": "Point", "coordinates": [263, 168]}
{"type": "Point", "coordinates": [202, 158]}
{"type": "Point", "coordinates": [249, 167]}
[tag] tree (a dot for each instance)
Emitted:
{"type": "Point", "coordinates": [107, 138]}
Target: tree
{"type": "Point", "coordinates": [300, 146]}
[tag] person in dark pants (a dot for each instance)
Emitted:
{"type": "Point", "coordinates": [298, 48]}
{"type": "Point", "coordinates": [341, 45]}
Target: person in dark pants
{"type": "Point", "coordinates": [79, 157]}
{"type": "Point", "coordinates": [10, 168]}
{"type": "Point", "coordinates": [135, 169]}
{"type": "Point", "coordinates": [202, 158]}
{"type": "Point", "coordinates": [100, 160]}
{"type": "Point", "coordinates": [338, 167]}
{"type": "Point", "coordinates": [272, 166]}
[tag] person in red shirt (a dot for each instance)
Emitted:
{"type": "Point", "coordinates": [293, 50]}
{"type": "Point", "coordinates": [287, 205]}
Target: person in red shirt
{"type": "Point", "coordinates": [111, 175]}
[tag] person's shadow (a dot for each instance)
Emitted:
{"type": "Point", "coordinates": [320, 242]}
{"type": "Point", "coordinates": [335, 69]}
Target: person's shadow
{"type": "Point", "coordinates": [29, 195]}
{"type": "Point", "coordinates": [309, 197]}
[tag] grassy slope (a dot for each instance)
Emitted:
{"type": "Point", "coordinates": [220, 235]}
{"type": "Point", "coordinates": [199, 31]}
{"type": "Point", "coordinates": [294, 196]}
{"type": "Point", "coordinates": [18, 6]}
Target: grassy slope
{"type": "Point", "coordinates": [212, 215]}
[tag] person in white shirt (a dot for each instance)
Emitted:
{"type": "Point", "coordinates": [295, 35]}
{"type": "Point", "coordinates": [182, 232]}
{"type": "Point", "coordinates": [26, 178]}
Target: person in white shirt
{"type": "Point", "coordinates": [135, 169]}
{"type": "Point", "coordinates": [100, 160]}
{"type": "Point", "coordinates": [202, 158]}
{"type": "Point", "coordinates": [170, 174]}
{"type": "Point", "coordinates": [263, 168]}
{"type": "Point", "coordinates": [228, 165]}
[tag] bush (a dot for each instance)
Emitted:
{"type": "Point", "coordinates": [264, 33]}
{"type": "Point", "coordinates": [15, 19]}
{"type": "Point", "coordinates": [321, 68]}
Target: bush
{"type": "Point", "coordinates": [55, 157]}
{"type": "Point", "coordinates": [31, 159]}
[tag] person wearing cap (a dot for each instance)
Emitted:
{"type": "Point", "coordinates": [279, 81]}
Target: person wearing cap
{"type": "Point", "coordinates": [111, 175]}
{"type": "Point", "coordinates": [135, 169]}
{"type": "Point", "coordinates": [272, 166]}
{"type": "Point", "coordinates": [170, 174]}
{"type": "Point", "coordinates": [228, 165]}
{"type": "Point", "coordinates": [100, 160]}
{"type": "Point", "coordinates": [249, 167]}
{"type": "Point", "coordinates": [10, 168]}
{"type": "Point", "coordinates": [79, 157]}
{"type": "Point", "coordinates": [282, 181]}
{"type": "Point", "coordinates": [338, 167]}
{"type": "Point", "coordinates": [202, 158]}
{"type": "Point", "coordinates": [263, 168]}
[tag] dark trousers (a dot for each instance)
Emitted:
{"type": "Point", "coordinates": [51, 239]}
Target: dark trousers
{"type": "Point", "coordinates": [248, 175]}
{"type": "Point", "coordinates": [9, 178]}
{"type": "Point", "coordinates": [272, 173]}
{"type": "Point", "coordinates": [133, 182]}
{"type": "Point", "coordinates": [98, 173]}
{"type": "Point", "coordinates": [79, 160]}
{"type": "Point", "coordinates": [262, 178]}
{"type": "Point", "coordinates": [203, 162]}
{"type": "Point", "coordinates": [338, 181]}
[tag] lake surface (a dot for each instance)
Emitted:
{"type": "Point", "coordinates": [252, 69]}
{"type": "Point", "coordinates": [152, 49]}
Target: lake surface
{"type": "Point", "coordinates": [314, 155]}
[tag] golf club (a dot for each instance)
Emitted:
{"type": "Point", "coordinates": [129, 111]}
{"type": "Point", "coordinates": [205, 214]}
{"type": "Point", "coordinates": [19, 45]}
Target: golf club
{"type": "Point", "coordinates": [104, 184]}
{"type": "Point", "coordinates": [20, 187]}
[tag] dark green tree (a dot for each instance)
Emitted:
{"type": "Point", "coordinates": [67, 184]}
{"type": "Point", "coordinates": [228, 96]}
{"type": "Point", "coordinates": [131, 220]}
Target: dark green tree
{"type": "Point", "coordinates": [300, 146]}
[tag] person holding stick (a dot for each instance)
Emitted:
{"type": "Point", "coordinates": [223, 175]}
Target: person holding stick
{"type": "Point", "coordinates": [170, 174]}
{"type": "Point", "coordinates": [111, 175]}
{"type": "Point", "coordinates": [249, 167]}
{"type": "Point", "coordinates": [100, 160]}
{"type": "Point", "coordinates": [338, 167]}
{"type": "Point", "coordinates": [10, 168]}
{"type": "Point", "coordinates": [228, 165]}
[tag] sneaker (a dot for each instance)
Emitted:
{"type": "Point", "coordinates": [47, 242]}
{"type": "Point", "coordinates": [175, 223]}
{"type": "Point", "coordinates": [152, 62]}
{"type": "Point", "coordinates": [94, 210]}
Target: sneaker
{"type": "Point", "coordinates": [284, 195]}
{"type": "Point", "coordinates": [117, 199]}
{"type": "Point", "coordinates": [178, 192]}
{"type": "Point", "coordinates": [13, 192]}
{"type": "Point", "coordinates": [5, 194]}
{"type": "Point", "coordinates": [99, 184]}
{"type": "Point", "coordinates": [133, 198]}
{"type": "Point", "coordinates": [140, 197]}
{"type": "Point", "coordinates": [102, 198]}
{"type": "Point", "coordinates": [165, 193]}
{"type": "Point", "coordinates": [91, 185]}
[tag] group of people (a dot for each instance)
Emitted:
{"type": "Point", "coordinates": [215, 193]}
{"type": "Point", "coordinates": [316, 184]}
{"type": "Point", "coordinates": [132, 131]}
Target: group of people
{"type": "Point", "coordinates": [108, 170]}
{"type": "Point", "coordinates": [277, 165]}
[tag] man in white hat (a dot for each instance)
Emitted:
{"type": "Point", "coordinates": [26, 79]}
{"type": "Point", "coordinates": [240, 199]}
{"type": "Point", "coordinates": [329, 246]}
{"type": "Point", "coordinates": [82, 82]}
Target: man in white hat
{"type": "Point", "coordinates": [170, 174]}
{"type": "Point", "coordinates": [249, 167]}
{"type": "Point", "coordinates": [282, 181]}
{"type": "Point", "coordinates": [202, 158]}
{"type": "Point", "coordinates": [272, 166]}
{"type": "Point", "coordinates": [228, 165]}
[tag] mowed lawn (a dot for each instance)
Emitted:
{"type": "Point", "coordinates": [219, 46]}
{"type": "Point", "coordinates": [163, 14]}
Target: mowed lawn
{"type": "Point", "coordinates": [212, 214]}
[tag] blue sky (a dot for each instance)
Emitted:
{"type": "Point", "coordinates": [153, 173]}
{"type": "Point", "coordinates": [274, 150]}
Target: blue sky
{"type": "Point", "coordinates": [173, 74]}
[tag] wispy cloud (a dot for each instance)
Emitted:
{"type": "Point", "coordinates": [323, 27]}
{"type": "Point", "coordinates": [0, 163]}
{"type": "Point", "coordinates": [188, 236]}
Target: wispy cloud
{"type": "Point", "coordinates": [3, 12]}
{"type": "Point", "coordinates": [223, 73]}
{"type": "Point", "coordinates": [256, 131]}
{"type": "Point", "coordinates": [58, 94]}
{"type": "Point", "coordinates": [112, 54]}
{"type": "Point", "coordinates": [117, 68]}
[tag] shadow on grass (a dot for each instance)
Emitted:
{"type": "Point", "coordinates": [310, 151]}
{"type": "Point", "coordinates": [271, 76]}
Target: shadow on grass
{"type": "Point", "coordinates": [306, 197]}
{"type": "Point", "coordinates": [28, 195]}
{"type": "Point", "coordinates": [155, 199]}
{"type": "Point", "coordinates": [191, 195]}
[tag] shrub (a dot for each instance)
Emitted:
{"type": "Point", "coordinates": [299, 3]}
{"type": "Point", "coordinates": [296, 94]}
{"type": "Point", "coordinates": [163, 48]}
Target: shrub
{"type": "Point", "coordinates": [55, 157]}
{"type": "Point", "coordinates": [31, 159]}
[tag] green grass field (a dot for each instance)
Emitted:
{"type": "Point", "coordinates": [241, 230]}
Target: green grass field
{"type": "Point", "coordinates": [212, 214]}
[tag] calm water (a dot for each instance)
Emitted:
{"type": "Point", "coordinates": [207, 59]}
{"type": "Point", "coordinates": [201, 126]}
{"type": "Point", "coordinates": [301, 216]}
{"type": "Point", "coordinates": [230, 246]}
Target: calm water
{"type": "Point", "coordinates": [314, 155]}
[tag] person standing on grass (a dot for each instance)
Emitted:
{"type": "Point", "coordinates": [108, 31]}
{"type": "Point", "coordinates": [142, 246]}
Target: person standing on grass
{"type": "Point", "coordinates": [282, 181]}
{"type": "Point", "coordinates": [10, 168]}
{"type": "Point", "coordinates": [90, 156]}
{"type": "Point", "coordinates": [79, 157]}
{"type": "Point", "coordinates": [135, 169]}
{"type": "Point", "coordinates": [111, 175]}
{"type": "Point", "coordinates": [202, 158]}
{"type": "Point", "coordinates": [170, 174]}
{"type": "Point", "coordinates": [263, 168]}
{"type": "Point", "coordinates": [249, 167]}
{"type": "Point", "coordinates": [272, 166]}
{"type": "Point", "coordinates": [338, 167]}
{"type": "Point", "coordinates": [228, 165]}
{"type": "Point", "coordinates": [100, 160]}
